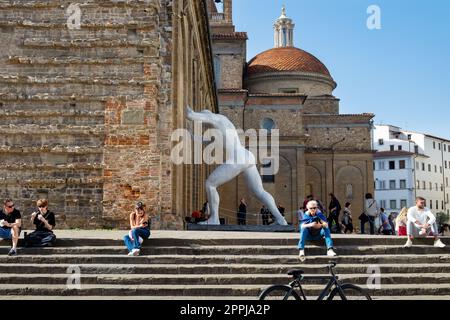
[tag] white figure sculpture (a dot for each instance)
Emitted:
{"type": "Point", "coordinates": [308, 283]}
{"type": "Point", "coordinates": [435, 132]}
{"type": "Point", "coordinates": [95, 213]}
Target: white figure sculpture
{"type": "Point", "coordinates": [238, 160]}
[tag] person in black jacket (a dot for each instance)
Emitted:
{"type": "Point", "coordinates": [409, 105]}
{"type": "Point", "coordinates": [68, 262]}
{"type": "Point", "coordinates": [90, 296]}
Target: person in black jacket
{"type": "Point", "coordinates": [44, 220]}
{"type": "Point", "coordinates": [265, 214]}
{"type": "Point", "coordinates": [334, 210]}
{"type": "Point", "coordinates": [242, 213]}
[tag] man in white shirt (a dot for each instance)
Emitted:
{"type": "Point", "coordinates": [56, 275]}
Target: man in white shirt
{"type": "Point", "coordinates": [422, 222]}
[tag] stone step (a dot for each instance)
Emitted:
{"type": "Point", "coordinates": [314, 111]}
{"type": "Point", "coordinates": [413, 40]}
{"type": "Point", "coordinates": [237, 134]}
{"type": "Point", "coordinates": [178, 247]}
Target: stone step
{"type": "Point", "coordinates": [218, 259]}
{"type": "Point", "coordinates": [233, 250]}
{"type": "Point", "coordinates": [225, 266]}
{"type": "Point", "coordinates": [290, 239]}
{"type": "Point", "coordinates": [213, 298]}
{"type": "Point", "coordinates": [203, 290]}
{"type": "Point", "coordinates": [216, 279]}
{"type": "Point", "coordinates": [52, 268]}
{"type": "Point", "coordinates": [241, 228]}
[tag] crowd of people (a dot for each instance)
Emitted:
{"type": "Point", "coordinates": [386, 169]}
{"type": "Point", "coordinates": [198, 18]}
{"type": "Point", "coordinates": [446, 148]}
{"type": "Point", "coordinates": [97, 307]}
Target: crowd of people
{"type": "Point", "coordinates": [417, 221]}
{"type": "Point", "coordinates": [373, 219]}
{"type": "Point", "coordinates": [376, 218]}
{"type": "Point", "coordinates": [44, 221]}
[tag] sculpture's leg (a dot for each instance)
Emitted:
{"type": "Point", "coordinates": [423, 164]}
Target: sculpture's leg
{"type": "Point", "coordinates": [218, 177]}
{"type": "Point", "coordinates": [255, 185]}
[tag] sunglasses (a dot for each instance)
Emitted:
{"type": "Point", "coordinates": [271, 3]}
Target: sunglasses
{"type": "Point", "coordinates": [315, 208]}
{"type": "Point", "coordinates": [42, 206]}
{"type": "Point", "coordinates": [11, 206]}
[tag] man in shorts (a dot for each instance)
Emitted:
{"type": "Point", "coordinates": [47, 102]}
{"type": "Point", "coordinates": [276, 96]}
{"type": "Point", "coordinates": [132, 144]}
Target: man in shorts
{"type": "Point", "coordinates": [10, 224]}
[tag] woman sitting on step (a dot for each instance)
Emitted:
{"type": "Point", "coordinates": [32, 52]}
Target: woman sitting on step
{"type": "Point", "coordinates": [140, 230]}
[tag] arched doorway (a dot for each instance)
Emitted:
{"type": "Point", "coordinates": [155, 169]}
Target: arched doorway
{"type": "Point", "coordinates": [350, 188]}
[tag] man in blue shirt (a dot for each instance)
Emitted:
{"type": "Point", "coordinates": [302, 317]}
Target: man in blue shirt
{"type": "Point", "coordinates": [314, 226]}
{"type": "Point", "coordinates": [386, 227]}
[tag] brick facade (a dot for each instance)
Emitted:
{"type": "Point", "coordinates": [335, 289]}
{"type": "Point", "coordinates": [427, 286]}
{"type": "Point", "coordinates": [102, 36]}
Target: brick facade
{"type": "Point", "coordinates": [86, 115]}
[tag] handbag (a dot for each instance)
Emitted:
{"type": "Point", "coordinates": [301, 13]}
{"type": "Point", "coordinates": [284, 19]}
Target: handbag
{"type": "Point", "coordinates": [363, 217]}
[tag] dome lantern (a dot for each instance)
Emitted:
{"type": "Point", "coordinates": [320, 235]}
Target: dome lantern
{"type": "Point", "coordinates": [283, 30]}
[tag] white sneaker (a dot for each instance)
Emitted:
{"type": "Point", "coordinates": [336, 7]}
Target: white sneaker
{"type": "Point", "coordinates": [408, 244]}
{"type": "Point", "coordinates": [331, 253]}
{"type": "Point", "coordinates": [130, 253]}
{"type": "Point", "coordinates": [135, 252]}
{"type": "Point", "coordinates": [301, 255]}
{"type": "Point", "coordinates": [438, 243]}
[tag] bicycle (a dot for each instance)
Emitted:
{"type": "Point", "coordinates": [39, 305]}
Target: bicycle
{"type": "Point", "coordinates": [341, 291]}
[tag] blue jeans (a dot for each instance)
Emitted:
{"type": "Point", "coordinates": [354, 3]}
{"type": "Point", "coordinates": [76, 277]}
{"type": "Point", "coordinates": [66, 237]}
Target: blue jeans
{"type": "Point", "coordinates": [371, 225]}
{"type": "Point", "coordinates": [134, 244]}
{"type": "Point", "coordinates": [305, 235]}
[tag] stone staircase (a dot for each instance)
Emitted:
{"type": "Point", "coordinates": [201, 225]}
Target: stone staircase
{"type": "Point", "coordinates": [231, 266]}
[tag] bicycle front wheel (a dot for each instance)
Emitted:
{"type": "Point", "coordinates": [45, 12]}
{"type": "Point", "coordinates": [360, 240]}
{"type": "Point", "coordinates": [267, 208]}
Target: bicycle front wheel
{"type": "Point", "coordinates": [349, 292]}
{"type": "Point", "coordinates": [279, 293]}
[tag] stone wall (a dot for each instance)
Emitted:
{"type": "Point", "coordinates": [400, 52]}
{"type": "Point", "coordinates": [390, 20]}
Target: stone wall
{"type": "Point", "coordinates": [321, 105]}
{"type": "Point", "coordinates": [348, 175]}
{"type": "Point", "coordinates": [284, 111]}
{"type": "Point", "coordinates": [230, 57]}
{"type": "Point", "coordinates": [304, 83]}
{"type": "Point", "coordinates": [86, 114]}
{"type": "Point", "coordinates": [349, 132]}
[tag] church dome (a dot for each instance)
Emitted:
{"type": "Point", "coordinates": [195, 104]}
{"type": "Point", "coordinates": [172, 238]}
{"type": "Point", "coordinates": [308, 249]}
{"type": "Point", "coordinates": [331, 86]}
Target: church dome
{"type": "Point", "coordinates": [286, 59]}
{"type": "Point", "coordinates": [286, 68]}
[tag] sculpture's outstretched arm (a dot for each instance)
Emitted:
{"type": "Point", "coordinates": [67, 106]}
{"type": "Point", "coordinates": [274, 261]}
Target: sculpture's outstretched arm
{"type": "Point", "coordinates": [204, 116]}
{"type": "Point", "coordinates": [200, 117]}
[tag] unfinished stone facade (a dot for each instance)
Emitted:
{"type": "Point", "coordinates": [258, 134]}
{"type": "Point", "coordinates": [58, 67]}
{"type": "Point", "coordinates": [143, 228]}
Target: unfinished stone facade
{"type": "Point", "coordinates": [321, 151]}
{"type": "Point", "coordinates": [86, 114]}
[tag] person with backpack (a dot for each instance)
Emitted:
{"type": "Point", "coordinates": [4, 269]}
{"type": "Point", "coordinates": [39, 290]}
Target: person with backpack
{"type": "Point", "coordinates": [347, 218]}
{"type": "Point", "coordinates": [370, 214]}
{"type": "Point", "coordinates": [385, 227]}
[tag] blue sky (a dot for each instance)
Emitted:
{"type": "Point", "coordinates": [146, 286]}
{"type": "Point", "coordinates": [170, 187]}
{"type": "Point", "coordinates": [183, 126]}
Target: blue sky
{"type": "Point", "coordinates": [401, 73]}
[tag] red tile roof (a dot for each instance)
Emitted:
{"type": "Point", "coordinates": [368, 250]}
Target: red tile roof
{"type": "Point", "coordinates": [286, 59]}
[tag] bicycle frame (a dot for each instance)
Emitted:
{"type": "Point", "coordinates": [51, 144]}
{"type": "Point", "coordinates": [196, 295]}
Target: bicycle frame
{"type": "Point", "coordinates": [333, 281]}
